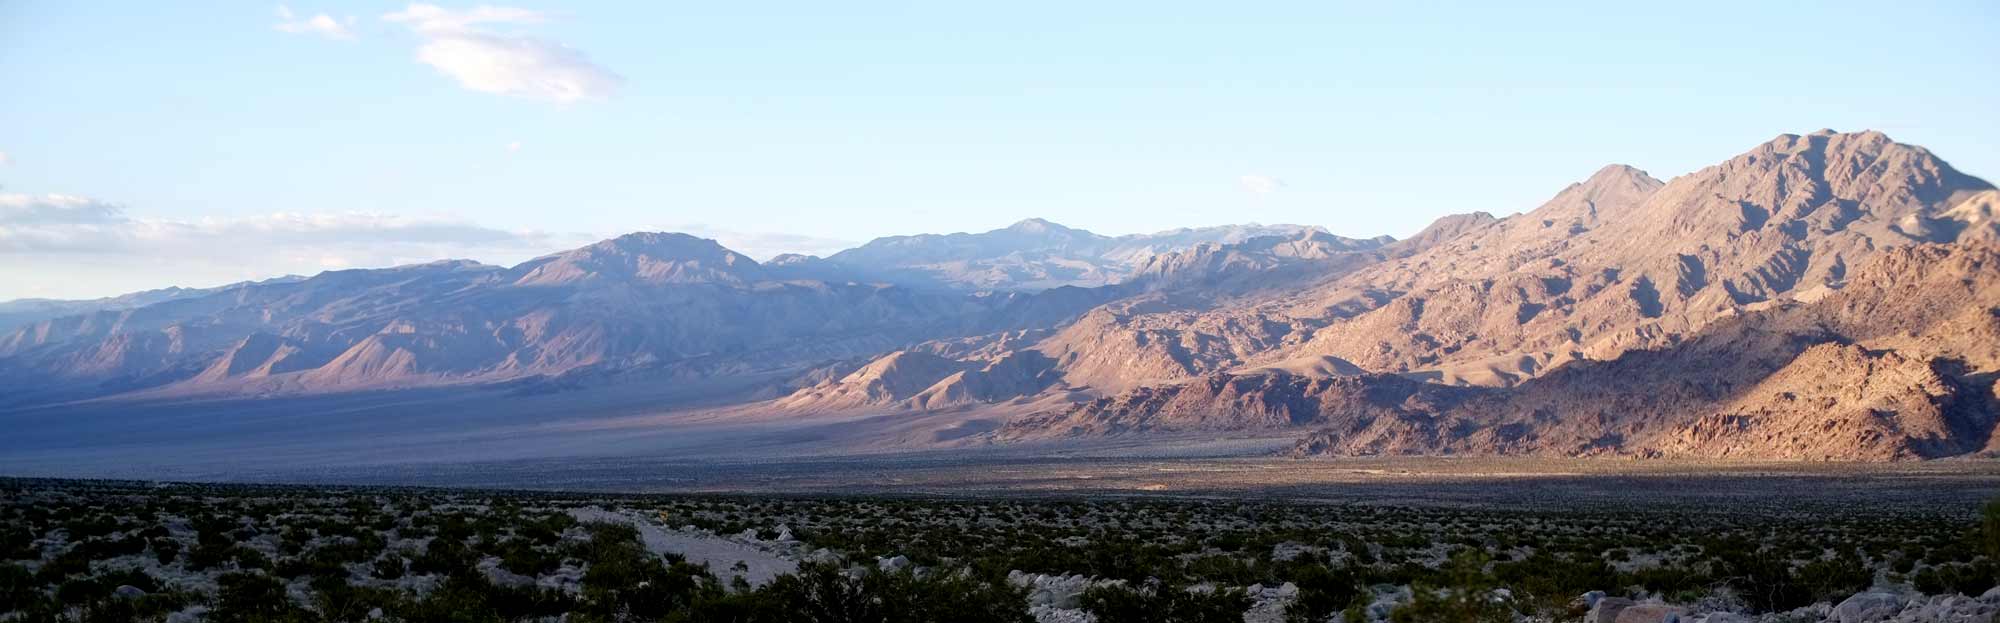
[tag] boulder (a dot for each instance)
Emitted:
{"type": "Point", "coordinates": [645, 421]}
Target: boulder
{"type": "Point", "coordinates": [1948, 609]}
{"type": "Point", "coordinates": [128, 591]}
{"type": "Point", "coordinates": [1868, 607]}
{"type": "Point", "coordinates": [1606, 610]}
{"type": "Point", "coordinates": [895, 563]}
{"type": "Point", "coordinates": [1651, 613]}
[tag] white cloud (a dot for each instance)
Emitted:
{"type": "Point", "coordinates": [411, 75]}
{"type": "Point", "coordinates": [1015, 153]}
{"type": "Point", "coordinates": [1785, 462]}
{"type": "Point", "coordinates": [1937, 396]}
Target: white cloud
{"type": "Point", "coordinates": [18, 210]}
{"type": "Point", "coordinates": [86, 247]}
{"type": "Point", "coordinates": [319, 24]}
{"type": "Point", "coordinates": [5, 160]}
{"type": "Point", "coordinates": [1261, 184]}
{"type": "Point", "coordinates": [433, 18]}
{"type": "Point", "coordinates": [514, 147]}
{"type": "Point", "coordinates": [503, 64]}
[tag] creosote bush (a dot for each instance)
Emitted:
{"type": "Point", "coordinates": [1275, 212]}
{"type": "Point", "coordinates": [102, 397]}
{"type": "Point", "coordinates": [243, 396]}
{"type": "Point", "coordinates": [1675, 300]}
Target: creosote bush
{"type": "Point", "coordinates": [84, 551]}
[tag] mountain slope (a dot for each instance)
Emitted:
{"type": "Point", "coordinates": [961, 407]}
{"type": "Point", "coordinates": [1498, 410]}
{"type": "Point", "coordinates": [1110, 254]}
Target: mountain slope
{"type": "Point", "coordinates": [634, 302]}
{"type": "Point", "coordinates": [1783, 221]}
{"type": "Point", "coordinates": [1899, 365]}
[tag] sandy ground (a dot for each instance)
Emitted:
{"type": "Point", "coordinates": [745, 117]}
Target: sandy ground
{"type": "Point", "coordinates": [722, 555]}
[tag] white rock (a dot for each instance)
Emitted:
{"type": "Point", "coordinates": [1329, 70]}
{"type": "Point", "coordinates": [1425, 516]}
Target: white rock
{"type": "Point", "coordinates": [1653, 612]}
{"type": "Point", "coordinates": [1868, 607]}
{"type": "Point", "coordinates": [1606, 610]}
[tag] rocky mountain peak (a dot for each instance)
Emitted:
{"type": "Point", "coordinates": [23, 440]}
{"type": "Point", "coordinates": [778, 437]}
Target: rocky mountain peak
{"type": "Point", "coordinates": [1039, 226]}
{"type": "Point", "coordinates": [645, 258]}
{"type": "Point", "coordinates": [1620, 175]}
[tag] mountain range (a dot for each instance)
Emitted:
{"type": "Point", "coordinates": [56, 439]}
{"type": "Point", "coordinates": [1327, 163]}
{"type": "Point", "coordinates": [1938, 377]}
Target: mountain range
{"type": "Point", "coordinates": [1829, 296]}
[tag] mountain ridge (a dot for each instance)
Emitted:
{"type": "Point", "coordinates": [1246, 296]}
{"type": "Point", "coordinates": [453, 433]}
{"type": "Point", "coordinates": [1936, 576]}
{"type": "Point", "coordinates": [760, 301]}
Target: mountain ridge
{"type": "Point", "coordinates": [1826, 296]}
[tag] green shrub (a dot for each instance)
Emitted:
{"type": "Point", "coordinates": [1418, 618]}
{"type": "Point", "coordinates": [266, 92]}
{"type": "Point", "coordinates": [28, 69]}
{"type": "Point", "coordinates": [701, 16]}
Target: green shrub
{"type": "Point", "coordinates": [1322, 593]}
{"type": "Point", "coordinates": [1120, 603]}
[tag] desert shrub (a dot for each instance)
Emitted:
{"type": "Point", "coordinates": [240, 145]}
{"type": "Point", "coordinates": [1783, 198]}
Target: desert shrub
{"type": "Point", "coordinates": [623, 581]}
{"type": "Point", "coordinates": [1122, 603]}
{"type": "Point", "coordinates": [444, 556]}
{"type": "Point", "coordinates": [1833, 579]}
{"type": "Point", "coordinates": [390, 567]}
{"type": "Point", "coordinates": [1989, 529]}
{"type": "Point", "coordinates": [521, 556]}
{"type": "Point", "coordinates": [1322, 592]}
{"type": "Point", "coordinates": [824, 593]}
{"type": "Point", "coordinates": [1462, 593]}
{"type": "Point", "coordinates": [1960, 578]}
{"type": "Point", "coordinates": [1546, 582]}
{"type": "Point", "coordinates": [247, 597]}
{"type": "Point", "coordinates": [962, 597]}
{"type": "Point", "coordinates": [165, 550]}
{"type": "Point", "coordinates": [18, 543]}
{"type": "Point", "coordinates": [1763, 577]}
{"type": "Point", "coordinates": [18, 587]}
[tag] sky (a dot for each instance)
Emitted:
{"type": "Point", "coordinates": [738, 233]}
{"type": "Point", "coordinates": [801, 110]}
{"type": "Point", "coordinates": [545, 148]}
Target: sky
{"type": "Point", "coordinates": [147, 144]}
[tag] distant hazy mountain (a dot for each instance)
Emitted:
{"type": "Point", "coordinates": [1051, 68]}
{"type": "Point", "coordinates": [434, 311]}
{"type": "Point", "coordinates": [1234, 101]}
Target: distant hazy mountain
{"type": "Point", "coordinates": [1037, 254]}
{"type": "Point", "coordinates": [19, 312]}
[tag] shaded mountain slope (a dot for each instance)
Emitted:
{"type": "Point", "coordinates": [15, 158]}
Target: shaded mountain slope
{"type": "Point", "coordinates": [1898, 365]}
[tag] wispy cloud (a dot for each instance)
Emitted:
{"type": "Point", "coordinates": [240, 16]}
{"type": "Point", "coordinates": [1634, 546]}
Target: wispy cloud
{"type": "Point", "coordinates": [1261, 184]}
{"type": "Point", "coordinates": [55, 239]}
{"type": "Point", "coordinates": [5, 160]}
{"type": "Point", "coordinates": [460, 44]}
{"type": "Point", "coordinates": [318, 24]}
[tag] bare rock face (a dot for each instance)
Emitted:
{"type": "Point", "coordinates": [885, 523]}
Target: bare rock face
{"type": "Point", "coordinates": [1620, 262]}
{"type": "Point", "coordinates": [1897, 366]}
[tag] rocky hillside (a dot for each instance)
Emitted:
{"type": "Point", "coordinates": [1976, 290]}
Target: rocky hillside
{"type": "Point", "coordinates": [1828, 296]}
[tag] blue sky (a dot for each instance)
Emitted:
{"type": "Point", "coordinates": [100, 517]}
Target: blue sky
{"type": "Point", "coordinates": [199, 143]}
